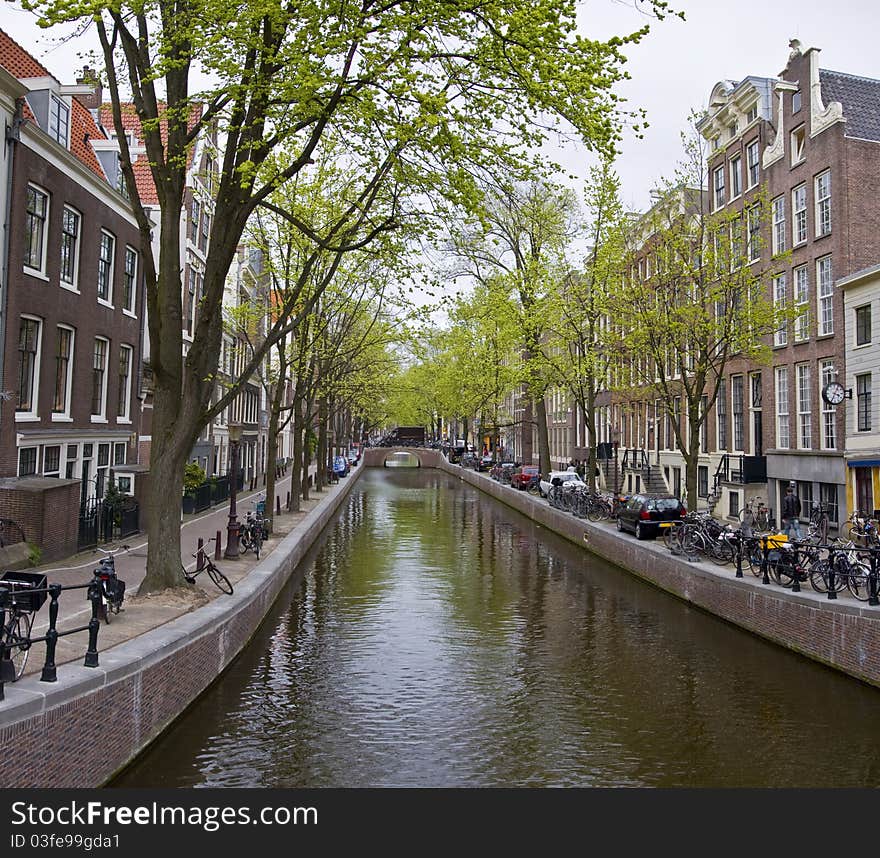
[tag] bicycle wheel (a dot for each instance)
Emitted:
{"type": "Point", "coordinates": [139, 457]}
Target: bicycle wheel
{"type": "Point", "coordinates": [188, 577]}
{"type": "Point", "coordinates": [244, 540]}
{"type": "Point", "coordinates": [721, 551]}
{"type": "Point", "coordinates": [257, 546]}
{"type": "Point", "coordinates": [18, 640]}
{"type": "Point", "coordinates": [857, 580]}
{"type": "Point", "coordinates": [819, 576]}
{"type": "Point", "coordinates": [219, 578]}
{"type": "Point", "coordinates": [670, 536]}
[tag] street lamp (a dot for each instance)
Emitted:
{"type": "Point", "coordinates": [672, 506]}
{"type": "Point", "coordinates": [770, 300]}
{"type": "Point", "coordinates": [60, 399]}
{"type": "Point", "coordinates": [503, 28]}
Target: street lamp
{"type": "Point", "coordinates": [615, 439]}
{"type": "Point", "coordinates": [231, 552]}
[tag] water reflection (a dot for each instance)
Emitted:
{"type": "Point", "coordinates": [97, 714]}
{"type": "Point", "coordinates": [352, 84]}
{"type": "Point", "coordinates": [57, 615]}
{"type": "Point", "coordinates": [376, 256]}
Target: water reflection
{"type": "Point", "coordinates": [402, 459]}
{"type": "Point", "coordinates": [438, 639]}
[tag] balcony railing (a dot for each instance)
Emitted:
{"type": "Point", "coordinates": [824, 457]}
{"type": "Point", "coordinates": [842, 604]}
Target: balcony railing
{"type": "Point", "coordinates": [741, 469]}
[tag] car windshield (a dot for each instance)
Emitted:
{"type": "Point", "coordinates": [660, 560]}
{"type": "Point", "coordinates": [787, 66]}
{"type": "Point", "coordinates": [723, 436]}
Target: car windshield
{"type": "Point", "coordinates": [568, 476]}
{"type": "Point", "coordinates": [663, 504]}
{"type": "Point", "coordinates": [530, 469]}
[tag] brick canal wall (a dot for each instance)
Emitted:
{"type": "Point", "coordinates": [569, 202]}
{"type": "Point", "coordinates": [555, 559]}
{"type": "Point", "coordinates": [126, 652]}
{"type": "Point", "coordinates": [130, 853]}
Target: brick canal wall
{"type": "Point", "coordinates": [81, 730]}
{"type": "Point", "coordinates": [842, 634]}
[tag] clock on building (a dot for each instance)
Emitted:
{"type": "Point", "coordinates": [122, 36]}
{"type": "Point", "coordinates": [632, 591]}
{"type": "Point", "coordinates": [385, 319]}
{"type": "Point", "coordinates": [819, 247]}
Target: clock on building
{"type": "Point", "coordinates": [833, 393]}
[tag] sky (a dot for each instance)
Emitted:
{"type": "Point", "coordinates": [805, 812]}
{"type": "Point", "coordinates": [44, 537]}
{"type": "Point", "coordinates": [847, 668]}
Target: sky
{"type": "Point", "coordinates": [673, 69]}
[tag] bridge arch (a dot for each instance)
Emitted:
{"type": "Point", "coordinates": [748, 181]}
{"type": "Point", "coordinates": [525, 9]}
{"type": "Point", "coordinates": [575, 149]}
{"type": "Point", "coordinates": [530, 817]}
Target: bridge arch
{"type": "Point", "coordinates": [378, 457]}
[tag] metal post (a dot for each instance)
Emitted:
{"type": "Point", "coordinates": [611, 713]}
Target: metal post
{"type": "Point", "coordinates": [200, 555]}
{"type": "Point", "coordinates": [765, 563]}
{"type": "Point", "coordinates": [872, 580]}
{"type": "Point", "coordinates": [50, 674]}
{"type": "Point", "coordinates": [739, 554]}
{"type": "Point", "coordinates": [832, 582]}
{"type": "Point", "coordinates": [288, 500]}
{"type": "Point", "coordinates": [94, 624]}
{"type": "Point", "coordinates": [277, 505]}
{"type": "Point", "coordinates": [232, 527]}
{"type": "Point", "coordinates": [795, 572]}
{"type": "Point", "coordinates": [217, 545]}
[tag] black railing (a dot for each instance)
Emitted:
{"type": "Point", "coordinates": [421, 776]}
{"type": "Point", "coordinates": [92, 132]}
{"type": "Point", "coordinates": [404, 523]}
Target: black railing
{"type": "Point", "coordinates": [741, 469]}
{"type": "Point", "coordinates": [100, 521]}
{"type": "Point", "coordinates": [635, 459]}
{"type": "Point", "coordinates": [209, 493]}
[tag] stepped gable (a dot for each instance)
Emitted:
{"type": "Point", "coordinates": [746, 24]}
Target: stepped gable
{"type": "Point", "coordinates": [142, 173]}
{"type": "Point", "coordinates": [860, 97]}
{"type": "Point", "coordinates": [19, 63]}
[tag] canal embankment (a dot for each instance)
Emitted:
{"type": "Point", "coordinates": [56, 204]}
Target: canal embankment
{"type": "Point", "coordinates": [89, 724]}
{"type": "Point", "coordinates": [841, 634]}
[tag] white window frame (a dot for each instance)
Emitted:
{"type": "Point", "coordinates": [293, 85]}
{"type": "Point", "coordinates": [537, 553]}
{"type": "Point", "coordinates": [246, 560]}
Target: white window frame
{"type": "Point", "coordinates": [804, 406]}
{"type": "Point", "coordinates": [100, 416]}
{"type": "Point", "coordinates": [33, 412]}
{"type": "Point", "coordinates": [55, 473]}
{"type": "Point", "coordinates": [777, 206]}
{"type": "Point", "coordinates": [738, 417]}
{"type": "Point", "coordinates": [753, 234]}
{"type": "Point", "coordinates": [53, 127]}
{"type": "Point", "coordinates": [799, 215]}
{"type": "Point", "coordinates": [856, 310]}
{"type": "Point", "coordinates": [801, 286]}
{"type": "Point", "coordinates": [783, 428]}
{"type": "Point", "coordinates": [63, 416]}
{"type": "Point", "coordinates": [72, 284]}
{"type": "Point", "coordinates": [736, 184]}
{"type": "Point", "coordinates": [44, 232]}
{"type": "Point", "coordinates": [828, 433]}
{"type": "Point", "coordinates": [798, 141]}
{"type": "Point", "coordinates": [108, 301]}
{"type": "Point", "coordinates": [718, 188]}
{"type": "Point", "coordinates": [822, 191]}
{"type": "Point", "coordinates": [824, 297]}
{"type": "Point", "coordinates": [753, 164]}
{"type": "Point", "coordinates": [861, 394]}
{"type": "Point", "coordinates": [126, 416]}
{"type": "Point", "coordinates": [780, 286]}
{"type": "Point", "coordinates": [19, 451]}
{"type": "Point", "coordinates": [129, 309]}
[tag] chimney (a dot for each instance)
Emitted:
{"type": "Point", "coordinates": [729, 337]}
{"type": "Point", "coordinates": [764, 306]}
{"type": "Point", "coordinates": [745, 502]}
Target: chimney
{"type": "Point", "coordinates": [92, 101]}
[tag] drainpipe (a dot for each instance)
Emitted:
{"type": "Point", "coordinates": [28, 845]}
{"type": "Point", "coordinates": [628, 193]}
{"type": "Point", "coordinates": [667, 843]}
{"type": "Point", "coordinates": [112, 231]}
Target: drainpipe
{"type": "Point", "coordinates": [13, 135]}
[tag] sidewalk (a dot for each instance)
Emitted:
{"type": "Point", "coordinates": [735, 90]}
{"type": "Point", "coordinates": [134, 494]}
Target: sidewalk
{"type": "Point", "coordinates": [141, 613]}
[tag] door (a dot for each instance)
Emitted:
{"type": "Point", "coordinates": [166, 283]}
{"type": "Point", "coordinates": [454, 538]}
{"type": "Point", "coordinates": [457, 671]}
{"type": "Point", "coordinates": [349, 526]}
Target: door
{"type": "Point", "coordinates": [676, 482]}
{"type": "Point", "coordinates": [757, 419]}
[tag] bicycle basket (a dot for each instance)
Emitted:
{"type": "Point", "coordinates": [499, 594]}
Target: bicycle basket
{"type": "Point", "coordinates": [26, 590]}
{"type": "Point", "coordinates": [261, 507]}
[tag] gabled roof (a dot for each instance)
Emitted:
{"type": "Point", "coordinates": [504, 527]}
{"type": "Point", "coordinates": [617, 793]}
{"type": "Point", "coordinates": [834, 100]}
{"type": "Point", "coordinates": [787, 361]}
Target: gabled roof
{"type": "Point", "coordinates": [860, 97]}
{"type": "Point", "coordinates": [19, 63]}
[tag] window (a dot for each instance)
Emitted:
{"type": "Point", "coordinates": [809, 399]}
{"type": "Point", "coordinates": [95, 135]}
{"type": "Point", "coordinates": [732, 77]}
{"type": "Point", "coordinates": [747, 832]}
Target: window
{"type": "Point", "coordinates": [52, 461]}
{"type": "Point", "coordinates": [70, 466]}
{"type": "Point", "coordinates": [753, 234]}
{"type": "Point", "coordinates": [778, 208]}
{"type": "Point", "coordinates": [799, 215]}
{"type": "Point", "coordinates": [863, 325]}
{"type": "Point", "coordinates": [124, 392]}
{"type": "Point", "coordinates": [27, 461]}
{"type": "Point", "coordinates": [59, 120]}
{"type": "Point", "coordinates": [129, 280]}
{"type": "Point", "coordinates": [119, 453]}
{"type": "Point", "coordinates": [753, 163]}
{"type": "Point", "coordinates": [28, 364]}
{"type": "Point", "coordinates": [829, 413]}
{"type": "Point", "coordinates": [802, 302]}
{"type": "Point", "coordinates": [99, 377]}
{"type": "Point", "coordinates": [733, 508]}
{"type": "Point", "coordinates": [101, 472]}
{"type": "Point", "coordinates": [863, 402]}
{"type": "Point", "coordinates": [719, 187]}
{"type": "Point", "coordinates": [732, 130]}
{"type": "Point", "coordinates": [804, 415]}
{"type": "Point", "coordinates": [782, 427]}
{"type": "Point", "coordinates": [796, 102]}
{"type": "Point", "coordinates": [735, 176]}
{"type": "Point", "coordinates": [828, 496]}
{"type": "Point", "coordinates": [63, 370]}
{"type": "Point", "coordinates": [823, 203]}
{"type": "Point", "coordinates": [780, 336]}
{"type": "Point", "coordinates": [798, 142]}
{"type": "Point", "coordinates": [36, 215]}
{"type": "Point", "coordinates": [752, 115]}
{"type": "Point", "coordinates": [105, 267]}
{"type": "Point", "coordinates": [805, 495]}
{"type": "Point", "coordinates": [703, 481]}
{"type": "Point", "coordinates": [70, 230]}
{"type": "Point", "coordinates": [191, 299]}
{"type": "Point", "coordinates": [195, 220]}
{"type": "Point", "coordinates": [736, 392]}
{"type": "Point", "coordinates": [825, 292]}
{"type": "Point", "coordinates": [205, 231]}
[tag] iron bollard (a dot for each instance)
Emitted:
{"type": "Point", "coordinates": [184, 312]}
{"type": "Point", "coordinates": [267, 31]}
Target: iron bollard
{"type": "Point", "coordinates": [832, 574]}
{"type": "Point", "coordinates": [872, 580]}
{"type": "Point", "coordinates": [288, 500]}
{"type": "Point", "coordinates": [765, 563]}
{"type": "Point", "coordinates": [739, 554]}
{"type": "Point", "coordinates": [277, 505]}
{"type": "Point", "coordinates": [217, 545]}
{"type": "Point", "coordinates": [200, 555]}
{"type": "Point", "coordinates": [50, 673]}
{"type": "Point", "coordinates": [795, 571]}
{"type": "Point", "coordinates": [94, 624]}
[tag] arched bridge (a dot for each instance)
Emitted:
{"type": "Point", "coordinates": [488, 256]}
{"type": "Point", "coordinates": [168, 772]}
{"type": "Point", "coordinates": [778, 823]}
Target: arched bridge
{"type": "Point", "coordinates": [375, 457]}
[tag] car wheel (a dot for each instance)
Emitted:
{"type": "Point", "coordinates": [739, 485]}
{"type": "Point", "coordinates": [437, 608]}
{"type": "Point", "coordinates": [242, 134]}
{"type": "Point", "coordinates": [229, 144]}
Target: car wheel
{"type": "Point", "coordinates": [640, 533]}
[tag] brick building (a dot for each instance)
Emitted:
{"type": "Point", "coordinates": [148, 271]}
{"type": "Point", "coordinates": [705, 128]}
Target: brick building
{"type": "Point", "coordinates": [73, 301]}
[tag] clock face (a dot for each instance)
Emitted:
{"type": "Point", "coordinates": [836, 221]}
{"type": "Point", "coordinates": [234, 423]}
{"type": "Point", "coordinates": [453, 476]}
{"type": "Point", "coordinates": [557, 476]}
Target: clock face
{"type": "Point", "coordinates": [834, 393]}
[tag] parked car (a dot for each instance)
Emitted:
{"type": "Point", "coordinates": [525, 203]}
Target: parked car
{"type": "Point", "coordinates": [340, 466]}
{"type": "Point", "coordinates": [647, 514]}
{"type": "Point", "coordinates": [507, 469]}
{"type": "Point", "coordinates": [564, 477]}
{"type": "Point", "coordinates": [485, 462]}
{"type": "Point", "coordinates": [526, 477]}
{"type": "Point", "coordinates": [469, 460]}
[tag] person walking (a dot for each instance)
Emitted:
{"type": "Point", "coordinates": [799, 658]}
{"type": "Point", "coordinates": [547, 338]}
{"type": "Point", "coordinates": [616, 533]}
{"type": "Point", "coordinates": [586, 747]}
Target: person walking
{"type": "Point", "coordinates": [791, 511]}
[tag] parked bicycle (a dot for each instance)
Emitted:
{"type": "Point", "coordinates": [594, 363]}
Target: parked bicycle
{"type": "Point", "coordinates": [205, 564]}
{"type": "Point", "coordinates": [112, 587]}
{"type": "Point", "coordinates": [17, 608]}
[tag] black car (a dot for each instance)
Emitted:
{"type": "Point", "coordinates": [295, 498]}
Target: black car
{"type": "Point", "coordinates": [646, 514]}
{"type": "Point", "coordinates": [485, 463]}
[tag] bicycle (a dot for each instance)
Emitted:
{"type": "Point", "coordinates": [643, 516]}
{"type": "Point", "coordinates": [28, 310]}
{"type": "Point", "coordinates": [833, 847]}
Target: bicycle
{"type": "Point", "coordinates": [205, 564]}
{"type": "Point", "coordinates": [17, 609]}
{"type": "Point", "coordinates": [250, 535]}
{"type": "Point", "coordinates": [112, 587]}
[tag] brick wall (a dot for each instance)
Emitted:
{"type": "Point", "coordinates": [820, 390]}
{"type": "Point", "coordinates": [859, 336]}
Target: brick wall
{"type": "Point", "coordinates": [47, 510]}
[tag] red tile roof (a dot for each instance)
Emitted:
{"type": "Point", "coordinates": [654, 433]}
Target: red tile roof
{"type": "Point", "coordinates": [19, 63]}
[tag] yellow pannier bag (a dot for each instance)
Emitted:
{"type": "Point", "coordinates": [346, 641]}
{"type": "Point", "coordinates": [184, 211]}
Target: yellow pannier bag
{"type": "Point", "coordinates": [774, 540]}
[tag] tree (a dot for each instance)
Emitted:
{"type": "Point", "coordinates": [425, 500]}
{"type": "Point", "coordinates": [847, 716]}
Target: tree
{"type": "Point", "coordinates": [429, 93]}
{"type": "Point", "coordinates": [689, 302]}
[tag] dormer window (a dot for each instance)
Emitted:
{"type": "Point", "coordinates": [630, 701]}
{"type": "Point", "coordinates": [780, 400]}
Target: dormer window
{"type": "Point", "coordinates": [752, 115]}
{"type": "Point", "coordinates": [796, 101]}
{"type": "Point", "coordinates": [59, 120]}
{"type": "Point", "coordinates": [732, 130]}
{"type": "Point", "coordinates": [798, 141]}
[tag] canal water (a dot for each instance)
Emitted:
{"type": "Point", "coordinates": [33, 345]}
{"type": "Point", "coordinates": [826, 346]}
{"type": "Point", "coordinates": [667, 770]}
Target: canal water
{"type": "Point", "coordinates": [437, 638]}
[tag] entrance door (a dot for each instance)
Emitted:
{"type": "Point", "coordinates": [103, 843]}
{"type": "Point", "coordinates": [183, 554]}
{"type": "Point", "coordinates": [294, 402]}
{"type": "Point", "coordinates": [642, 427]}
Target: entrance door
{"type": "Point", "coordinates": [864, 490]}
{"type": "Point", "coordinates": [757, 420]}
{"type": "Point", "coordinates": [676, 482]}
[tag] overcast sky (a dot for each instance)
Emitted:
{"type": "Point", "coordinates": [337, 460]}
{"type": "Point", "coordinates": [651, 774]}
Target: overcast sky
{"type": "Point", "coordinates": [673, 69]}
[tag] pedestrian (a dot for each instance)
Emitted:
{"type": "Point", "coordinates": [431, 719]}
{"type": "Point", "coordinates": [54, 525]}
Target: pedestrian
{"type": "Point", "coordinates": [791, 511]}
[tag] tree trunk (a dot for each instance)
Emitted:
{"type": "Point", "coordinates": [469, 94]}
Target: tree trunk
{"type": "Point", "coordinates": [543, 435]}
{"type": "Point", "coordinates": [322, 445]}
{"type": "Point", "coordinates": [271, 459]}
{"type": "Point", "coordinates": [590, 422]}
{"type": "Point", "coordinates": [296, 467]}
